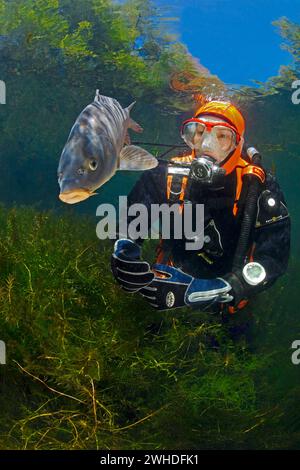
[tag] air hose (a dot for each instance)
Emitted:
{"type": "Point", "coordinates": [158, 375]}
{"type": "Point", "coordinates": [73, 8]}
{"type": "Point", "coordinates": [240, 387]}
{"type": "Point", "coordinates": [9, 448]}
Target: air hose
{"type": "Point", "coordinates": [253, 183]}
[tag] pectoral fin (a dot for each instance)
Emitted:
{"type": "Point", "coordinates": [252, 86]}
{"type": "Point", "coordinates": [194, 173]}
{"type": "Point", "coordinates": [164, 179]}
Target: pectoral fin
{"type": "Point", "coordinates": [135, 158]}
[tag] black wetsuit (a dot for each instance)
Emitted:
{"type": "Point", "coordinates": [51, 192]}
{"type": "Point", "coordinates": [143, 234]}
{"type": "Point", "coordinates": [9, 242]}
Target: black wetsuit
{"type": "Point", "coordinates": [270, 236]}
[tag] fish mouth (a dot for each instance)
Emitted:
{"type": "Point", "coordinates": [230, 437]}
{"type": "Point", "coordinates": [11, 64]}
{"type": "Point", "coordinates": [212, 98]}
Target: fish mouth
{"type": "Point", "coordinates": [75, 195]}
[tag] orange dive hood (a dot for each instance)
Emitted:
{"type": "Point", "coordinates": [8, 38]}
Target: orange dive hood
{"type": "Point", "coordinates": [230, 114]}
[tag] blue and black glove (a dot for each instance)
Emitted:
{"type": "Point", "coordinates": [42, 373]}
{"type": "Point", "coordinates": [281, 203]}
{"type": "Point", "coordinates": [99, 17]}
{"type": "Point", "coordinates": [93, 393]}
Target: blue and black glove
{"type": "Point", "coordinates": [127, 267]}
{"type": "Point", "coordinates": [172, 288]}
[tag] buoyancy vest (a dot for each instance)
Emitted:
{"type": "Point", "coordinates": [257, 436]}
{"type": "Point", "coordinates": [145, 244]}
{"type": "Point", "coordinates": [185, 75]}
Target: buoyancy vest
{"type": "Point", "coordinates": [177, 185]}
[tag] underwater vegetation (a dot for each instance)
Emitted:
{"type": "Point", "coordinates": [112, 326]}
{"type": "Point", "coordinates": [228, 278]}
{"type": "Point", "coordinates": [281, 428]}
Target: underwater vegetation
{"type": "Point", "coordinates": [89, 367]}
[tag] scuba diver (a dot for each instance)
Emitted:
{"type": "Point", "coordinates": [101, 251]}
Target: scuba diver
{"type": "Point", "coordinates": [246, 222]}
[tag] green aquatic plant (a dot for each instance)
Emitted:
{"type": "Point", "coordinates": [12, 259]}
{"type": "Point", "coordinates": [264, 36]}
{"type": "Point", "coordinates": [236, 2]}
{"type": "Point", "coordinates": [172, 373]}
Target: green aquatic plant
{"type": "Point", "coordinates": [89, 366]}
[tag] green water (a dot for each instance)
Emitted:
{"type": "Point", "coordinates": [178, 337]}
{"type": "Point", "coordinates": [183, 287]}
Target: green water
{"type": "Point", "coordinates": [87, 366]}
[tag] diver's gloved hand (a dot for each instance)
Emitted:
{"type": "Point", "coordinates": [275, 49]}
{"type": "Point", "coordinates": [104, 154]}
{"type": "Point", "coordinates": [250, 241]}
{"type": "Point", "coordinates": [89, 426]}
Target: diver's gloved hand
{"type": "Point", "coordinates": [240, 288]}
{"type": "Point", "coordinates": [127, 267]}
{"type": "Point", "coordinates": [172, 288]}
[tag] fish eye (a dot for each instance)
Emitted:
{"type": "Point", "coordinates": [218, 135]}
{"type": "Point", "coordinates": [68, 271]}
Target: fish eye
{"type": "Point", "coordinates": [93, 165]}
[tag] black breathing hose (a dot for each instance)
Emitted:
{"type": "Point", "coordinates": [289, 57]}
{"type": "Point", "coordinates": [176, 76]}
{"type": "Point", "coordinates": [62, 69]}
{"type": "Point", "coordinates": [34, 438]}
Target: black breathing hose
{"type": "Point", "coordinates": [253, 183]}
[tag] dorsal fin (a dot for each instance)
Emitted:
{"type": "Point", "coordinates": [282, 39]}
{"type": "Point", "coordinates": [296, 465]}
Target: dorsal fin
{"type": "Point", "coordinates": [97, 95]}
{"type": "Point", "coordinates": [129, 108]}
{"type": "Point", "coordinates": [101, 99]}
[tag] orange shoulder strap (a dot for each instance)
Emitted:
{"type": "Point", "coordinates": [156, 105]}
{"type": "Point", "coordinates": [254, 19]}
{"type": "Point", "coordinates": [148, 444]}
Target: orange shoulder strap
{"type": "Point", "coordinates": [243, 169]}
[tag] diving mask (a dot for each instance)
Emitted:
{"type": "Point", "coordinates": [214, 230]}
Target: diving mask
{"type": "Point", "coordinates": [215, 137]}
